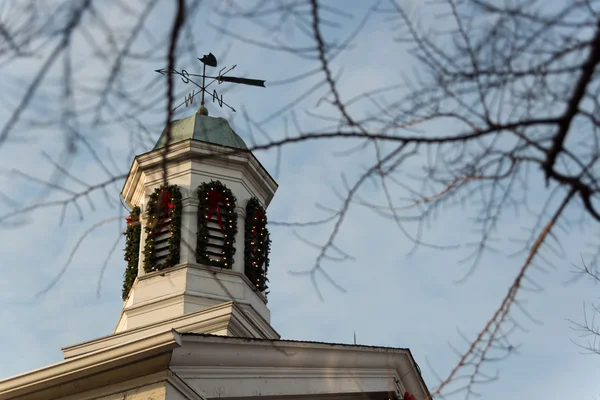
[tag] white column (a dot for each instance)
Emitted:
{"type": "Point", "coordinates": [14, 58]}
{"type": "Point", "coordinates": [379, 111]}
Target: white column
{"type": "Point", "coordinates": [238, 257]}
{"type": "Point", "coordinates": [189, 228]}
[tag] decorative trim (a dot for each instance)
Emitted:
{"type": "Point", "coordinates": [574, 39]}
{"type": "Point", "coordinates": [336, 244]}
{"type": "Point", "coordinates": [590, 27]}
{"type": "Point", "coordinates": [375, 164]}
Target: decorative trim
{"type": "Point", "coordinates": [53, 380]}
{"type": "Point", "coordinates": [279, 372]}
{"type": "Point", "coordinates": [164, 203]}
{"type": "Point", "coordinates": [132, 250]}
{"type": "Point", "coordinates": [216, 200]}
{"type": "Point", "coordinates": [207, 320]}
{"type": "Point", "coordinates": [182, 387]}
{"type": "Point", "coordinates": [257, 245]}
{"type": "Point", "coordinates": [259, 322]}
{"type": "Point", "coordinates": [275, 381]}
{"type": "Point", "coordinates": [246, 163]}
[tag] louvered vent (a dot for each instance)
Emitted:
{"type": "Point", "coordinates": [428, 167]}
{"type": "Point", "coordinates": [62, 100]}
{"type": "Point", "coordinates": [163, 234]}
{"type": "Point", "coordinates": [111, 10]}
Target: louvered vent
{"type": "Point", "coordinates": [217, 225]}
{"type": "Point", "coordinates": [163, 229]}
{"type": "Point", "coordinates": [161, 241]}
{"type": "Point", "coordinates": [216, 237]}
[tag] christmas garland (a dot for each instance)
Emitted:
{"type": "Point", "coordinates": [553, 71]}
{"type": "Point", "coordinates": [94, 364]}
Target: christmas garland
{"type": "Point", "coordinates": [257, 245]}
{"type": "Point", "coordinates": [408, 396]}
{"type": "Point", "coordinates": [216, 200]}
{"type": "Point", "coordinates": [132, 249]}
{"type": "Point", "coordinates": [164, 203]}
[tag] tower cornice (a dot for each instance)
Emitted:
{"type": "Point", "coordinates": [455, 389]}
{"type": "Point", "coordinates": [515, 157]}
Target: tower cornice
{"type": "Point", "coordinates": [199, 153]}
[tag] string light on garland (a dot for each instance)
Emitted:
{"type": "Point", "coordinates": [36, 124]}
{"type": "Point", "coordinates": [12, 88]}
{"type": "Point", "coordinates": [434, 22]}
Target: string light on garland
{"type": "Point", "coordinates": [132, 250]}
{"type": "Point", "coordinates": [164, 203]}
{"type": "Point", "coordinates": [257, 245]}
{"type": "Point", "coordinates": [216, 200]}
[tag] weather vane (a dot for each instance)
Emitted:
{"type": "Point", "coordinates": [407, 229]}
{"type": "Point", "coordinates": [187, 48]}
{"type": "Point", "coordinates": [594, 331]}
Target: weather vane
{"type": "Point", "coordinates": [211, 61]}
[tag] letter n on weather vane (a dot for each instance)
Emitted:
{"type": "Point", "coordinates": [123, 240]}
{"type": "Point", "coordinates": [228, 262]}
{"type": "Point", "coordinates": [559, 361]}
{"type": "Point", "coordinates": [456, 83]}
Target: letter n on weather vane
{"type": "Point", "coordinates": [189, 78]}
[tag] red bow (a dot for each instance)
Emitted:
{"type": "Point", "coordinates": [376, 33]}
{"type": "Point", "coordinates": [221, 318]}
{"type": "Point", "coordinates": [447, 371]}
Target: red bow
{"type": "Point", "coordinates": [129, 220]}
{"type": "Point", "coordinates": [408, 396]}
{"type": "Point", "coordinates": [213, 207]}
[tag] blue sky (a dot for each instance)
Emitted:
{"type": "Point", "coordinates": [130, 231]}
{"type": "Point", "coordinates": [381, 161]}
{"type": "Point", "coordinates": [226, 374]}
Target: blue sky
{"type": "Point", "coordinates": [393, 297]}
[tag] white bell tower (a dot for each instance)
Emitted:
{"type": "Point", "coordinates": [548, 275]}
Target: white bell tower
{"type": "Point", "coordinates": [192, 295]}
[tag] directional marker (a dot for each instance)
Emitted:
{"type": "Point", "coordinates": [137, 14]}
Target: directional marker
{"type": "Point", "coordinates": [211, 61]}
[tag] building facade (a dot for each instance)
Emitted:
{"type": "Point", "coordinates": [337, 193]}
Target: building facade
{"type": "Point", "coordinates": [195, 322]}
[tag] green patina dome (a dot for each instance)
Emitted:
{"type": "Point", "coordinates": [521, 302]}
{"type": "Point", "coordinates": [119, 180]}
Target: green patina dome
{"type": "Point", "coordinates": [204, 129]}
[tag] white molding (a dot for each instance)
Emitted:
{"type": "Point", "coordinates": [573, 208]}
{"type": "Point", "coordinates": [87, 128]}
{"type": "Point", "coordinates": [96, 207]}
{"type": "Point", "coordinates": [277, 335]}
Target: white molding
{"type": "Point", "coordinates": [223, 317]}
{"type": "Point", "coordinates": [189, 320]}
{"type": "Point", "coordinates": [320, 396]}
{"type": "Point", "coordinates": [185, 390]}
{"type": "Point", "coordinates": [249, 372]}
{"type": "Point", "coordinates": [268, 332]}
{"type": "Point", "coordinates": [192, 201]}
{"type": "Point", "coordinates": [149, 351]}
{"type": "Point", "coordinates": [196, 151]}
{"type": "Point", "coordinates": [217, 381]}
{"type": "Point", "coordinates": [288, 368]}
{"type": "Point", "coordinates": [189, 287]}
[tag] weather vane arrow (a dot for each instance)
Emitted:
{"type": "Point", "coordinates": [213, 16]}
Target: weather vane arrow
{"type": "Point", "coordinates": [211, 61]}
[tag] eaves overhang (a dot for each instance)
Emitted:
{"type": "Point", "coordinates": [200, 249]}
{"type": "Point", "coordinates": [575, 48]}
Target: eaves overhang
{"type": "Point", "coordinates": [289, 359]}
{"type": "Point", "coordinates": [227, 315]}
{"type": "Point", "coordinates": [97, 369]}
{"type": "Point", "coordinates": [207, 362]}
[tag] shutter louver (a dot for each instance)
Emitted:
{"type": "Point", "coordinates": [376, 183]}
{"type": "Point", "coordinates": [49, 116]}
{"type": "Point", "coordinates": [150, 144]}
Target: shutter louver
{"type": "Point", "coordinates": [163, 229]}
{"type": "Point", "coordinates": [217, 225]}
{"type": "Point", "coordinates": [161, 241]}
{"type": "Point", "coordinates": [216, 238]}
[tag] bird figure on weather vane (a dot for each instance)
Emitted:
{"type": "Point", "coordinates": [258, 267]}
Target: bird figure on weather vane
{"type": "Point", "coordinates": [211, 61]}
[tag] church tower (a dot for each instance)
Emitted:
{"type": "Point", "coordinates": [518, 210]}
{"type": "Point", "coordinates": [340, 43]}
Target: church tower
{"type": "Point", "coordinates": [198, 246]}
{"type": "Point", "coordinates": [195, 323]}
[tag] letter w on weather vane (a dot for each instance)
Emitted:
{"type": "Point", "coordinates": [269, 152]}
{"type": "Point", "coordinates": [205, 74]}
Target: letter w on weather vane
{"type": "Point", "coordinates": [211, 61]}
